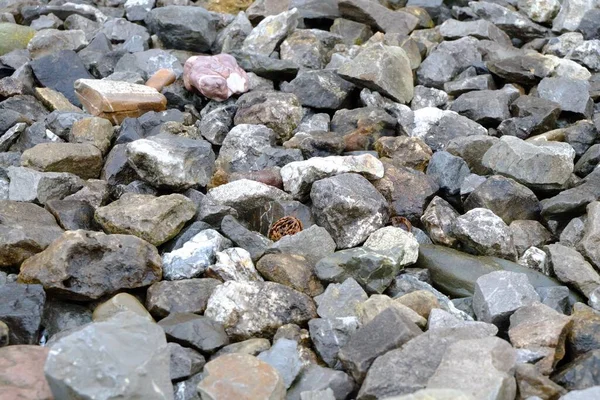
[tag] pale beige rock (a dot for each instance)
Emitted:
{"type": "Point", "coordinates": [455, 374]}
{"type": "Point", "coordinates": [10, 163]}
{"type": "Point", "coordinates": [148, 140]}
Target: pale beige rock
{"type": "Point", "coordinates": [119, 303]}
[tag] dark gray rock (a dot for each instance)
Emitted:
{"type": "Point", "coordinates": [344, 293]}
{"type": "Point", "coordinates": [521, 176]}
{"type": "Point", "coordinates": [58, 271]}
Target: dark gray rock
{"type": "Point", "coordinates": [195, 331]}
{"type": "Point", "coordinates": [21, 310]}
{"type": "Point", "coordinates": [182, 296]}
{"type": "Point", "coordinates": [323, 89]}
{"type": "Point", "coordinates": [185, 362]}
{"type": "Point", "coordinates": [577, 374]}
{"type": "Point", "coordinates": [266, 67]}
{"type": "Point", "coordinates": [255, 243]}
{"type": "Point", "coordinates": [515, 24]}
{"type": "Point", "coordinates": [184, 28]}
{"type": "Point", "coordinates": [352, 33]}
{"type": "Point", "coordinates": [428, 97]}
{"type": "Point", "coordinates": [377, 16]}
{"type": "Point", "coordinates": [468, 84]}
{"type": "Point", "coordinates": [571, 268]}
{"type": "Point", "coordinates": [588, 161]}
{"type": "Point", "coordinates": [487, 107]}
{"type": "Point", "coordinates": [313, 244]}
{"type": "Point", "coordinates": [481, 29]}
{"type": "Point", "coordinates": [526, 69]}
{"type": "Point", "coordinates": [340, 300]}
{"type": "Point", "coordinates": [283, 356]}
{"type": "Point", "coordinates": [309, 48]}
{"type": "Point", "coordinates": [30, 185]}
{"type": "Point", "coordinates": [146, 63]}
{"type": "Point", "coordinates": [527, 233]}
{"type": "Point", "coordinates": [61, 316]}
{"type": "Point", "coordinates": [73, 214]}
{"type": "Point", "coordinates": [581, 136]}
{"type": "Point", "coordinates": [216, 122]}
{"type": "Point", "coordinates": [270, 32]}
{"type": "Point", "coordinates": [571, 94]}
{"type": "Point", "coordinates": [329, 335]}
{"type": "Point", "coordinates": [315, 377]}
{"type": "Point", "coordinates": [448, 171]}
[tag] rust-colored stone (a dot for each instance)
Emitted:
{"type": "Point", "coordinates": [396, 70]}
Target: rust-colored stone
{"type": "Point", "coordinates": [22, 373]}
{"type": "Point", "coordinates": [161, 78]}
{"type": "Point", "coordinates": [283, 227]}
{"type": "Point", "coordinates": [401, 222]}
{"type": "Point", "coordinates": [115, 100]}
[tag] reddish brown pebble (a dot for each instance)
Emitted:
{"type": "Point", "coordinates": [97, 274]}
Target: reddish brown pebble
{"type": "Point", "coordinates": [161, 78]}
{"type": "Point", "coordinates": [283, 227]}
{"type": "Point", "coordinates": [22, 373]}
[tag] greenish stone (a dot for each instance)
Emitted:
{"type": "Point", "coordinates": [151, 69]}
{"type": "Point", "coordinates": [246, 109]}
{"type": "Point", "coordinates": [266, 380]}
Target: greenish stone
{"type": "Point", "coordinates": [13, 37]}
{"type": "Point", "coordinates": [454, 273]}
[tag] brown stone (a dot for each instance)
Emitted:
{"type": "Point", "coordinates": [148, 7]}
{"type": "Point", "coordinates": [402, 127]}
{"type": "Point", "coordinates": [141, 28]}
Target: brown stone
{"type": "Point", "coordinates": [585, 332]}
{"type": "Point", "coordinates": [161, 78]}
{"type": "Point", "coordinates": [377, 303]}
{"type": "Point", "coordinates": [420, 301]}
{"type": "Point", "coordinates": [55, 101]}
{"type": "Point", "coordinates": [404, 151]}
{"type": "Point", "coordinates": [81, 159]}
{"type": "Point", "coordinates": [115, 100]}
{"type": "Point", "coordinates": [22, 373]}
{"type": "Point", "coordinates": [541, 329]}
{"type": "Point", "coordinates": [532, 383]}
{"type": "Point", "coordinates": [290, 270]}
{"type": "Point", "coordinates": [283, 227]}
{"type": "Point", "coordinates": [118, 303]}
{"type": "Point", "coordinates": [226, 6]}
{"type": "Point", "coordinates": [93, 130]}
{"type": "Point", "coordinates": [241, 377]}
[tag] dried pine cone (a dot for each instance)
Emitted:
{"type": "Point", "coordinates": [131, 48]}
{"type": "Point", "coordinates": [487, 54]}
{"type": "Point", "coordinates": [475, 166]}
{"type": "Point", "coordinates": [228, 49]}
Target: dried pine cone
{"type": "Point", "coordinates": [402, 222]}
{"type": "Point", "coordinates": [283, 227]}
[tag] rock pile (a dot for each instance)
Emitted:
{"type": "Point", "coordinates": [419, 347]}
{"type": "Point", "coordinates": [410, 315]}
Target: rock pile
{"type": "Point", "coordinates": [299, 199]}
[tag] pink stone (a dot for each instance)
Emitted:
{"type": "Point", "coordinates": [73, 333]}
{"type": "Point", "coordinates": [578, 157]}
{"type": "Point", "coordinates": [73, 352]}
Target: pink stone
{"type": "Point", "coordinates": [216, 77]}
{"type": "Point", "coordinates": [22, 373]}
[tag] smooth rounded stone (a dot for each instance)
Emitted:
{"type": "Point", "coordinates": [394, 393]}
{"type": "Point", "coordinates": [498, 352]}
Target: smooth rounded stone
{"type": "Point", "coordinates": [404, 151]}
{"type": "Point", "coordinates": [448, 171]}
{"type": "Point", "coordinates": [241, 376]}
{"type": "Point", "coordinates": [283, 356]}
{"type": "Point", "coordinates": [83, 160]}
{"type": "Point", "coordinates": [180, 296]}
{"type": "Point", "coordinates": [396, 243]}
{"type": "Point", "coordinates": [420, 301]}
{"type": "Point", "coordinates": [21, 310]}
{"type": "Point", "coordinates": [257, 309]}
{"type": "Point", "coordinates": [127, 349]}
{"type": "Point", "coordinates": [22, 373]}
{"type": "Point", "coordinates": [584, 334]}
{"type": "Point", "coordinates": [328, 335]}
{"type": "Point", "coordinates": [570, 267]}
{"type": "Point", "coordinates": [120, 303]}
{"type": "Point", "coordinates": [415, 362]}
{"type": "Point", "coordinates": [279, 111]}
{"type": "Point", "coordinates": [49, 41]}
{"type": "Point", "coordinates": [104, 265]}
{"type": "Point", "coordinates": [216, 121]}
{"type": "Point", "coordinates": [587, 246]}
{"type": "Point", "coordinates": [340, 300]}
{"type": "Point", "coordinates": [96, 131]}
{"type": "Point", "coordinates": [578, 374]}
{"type": "Point", "coordinates": [310, 48]}
{"type": "Point", "coordinates": [483, 232]}
{"type": "Point", "coordinates": [377, 303]}
{"type": "Point", "coordinates": [448, 60]}
{"type": "Point", "coordinates": [215, 77]}
{"type": "Point", "coordinates": [536, 165]}
{"type": "Point", "coordinates": [191, 330]}
{"type": "Point", "coordinates": [172, 162]}
{"type": "Point", "coordinates": [234, 264]}
{"type": "Point", "coordinates": [183, 28]}
{"type": "Point", "coordinates": [506, 198]}
{"type": "Point", "coordinates": [428, 97]}
{"type": "Point", "coordinates": [540, 328]}
{"type": "Point", "coordinates": [437, 127]}
{"type": "Point", "coordinates": [195, 256]}
{"type": "Point", "coordinates": [154, 219]}
{"type": "Point", "coordinates": [571, 94]}
{"type": "Point", "coordinates": [378, 17]}
{"type": "Point", "coordinates": [299, 176]}
{"type": "Point", "coordinates": [438, 220]}
{"type": "Point", "coordinates": [499, 294]}
{"type": "Point", "coordinates": [491, 359]}
{"type": "Point", "coordinates": [252, 148]}
{"type": "Point", "coordinates": [348, 194]}
{"type": "Point", "coordinates": [14, 37]}
{"type": "Point", "coordinates": [371, 269]}
{"type": "Point", "coordinates": [290, 270]}
{"type": "Point", "coordinates": [313, 244]}
{"type": "Point", "coordinates": [33, 186]}
{"type": "Point", "coordinates": [382, 68]}
{"type": "Point", "coordinates": [536, 259]}
{"type": "Point", "coordinates": [185, 362]}
{"type": "Point", "coordinates": [25, 229]}
{"type": "Point", "coordinates": [315, 377]}
{"type": "Point", "coordinates": [270, 32]}
{"type": "Point", "coordinates": [323, 89]}
{"type": "Point", "coordinates": [255, 243]}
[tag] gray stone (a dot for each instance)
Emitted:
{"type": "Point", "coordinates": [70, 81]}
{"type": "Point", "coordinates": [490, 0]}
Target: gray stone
{"type": "Point", "coordinates": [313, 244]}
{"type": "Point", "coordinates": [382, 68]}
{"type": "Point", "coordinates": [309, 48]}
{"type": "Point", "coordinates": [528, 233]}
{"type": "Point", "coordinates": [515, 24]}
{"type": "Point", "coordinates": [326, 394]}
{"type": "Point", "coordinates": [526, 69]}
{"type": "Point", "coordinates": [587, 246]}
{"type": "Point", "coordinates": [448, 171]}
{"type": "Point", "coordinates": [245, 195]}
{"type": "Point", "coordinates": [21, 310]}
{"type": "Point", "coordinates": [572, 95]}
{"type": "Point", "coordinates": [483, 232]}
{"type": "Point", "coordinates": [185, 362]}
{"type": "Point", "coordinates": [49, 41]}
{"type": "Point", "coordinates": [583, 394]}
{"type": "Point", "coordinates": [340, 300]}
{"type": "Point", "coordinates": [438, 220]}
{"type": "Point", "coordinates": [353, 33]}
{"type": "Point", "coordinates": [216, 122]}
{"type": "Point", "coordinates": [29, 185]}
{"type": "Point", "coordinates": [481, 29]}
{"type": "Point", "coordinates": [499, 294]}
{"type": "Point", "coordinates": [428, 97]}
{"type": "Point", "coordinates": [329, 335]}
{"type": "Point", "coordinates": [587, 54]}
{"type": "Point", "coordinates": [471, 149]}
{"type": "Point", "coordinates": [283, 356]}
{"type": "Point", "coordinates": [470, 83]}
{"type": "Point", "coordinates": [137, 10]}
{"type": "Point", "coordinates": [387, 331]}
{"type": "Point", "coordinates": [234, 264]}
{"type": "Point", "coordinates": [348, 194]}
{"type": "Point", "coordinates": [257, 309]}
{"type": "Point", "coordinates": [487, 107]}
{"type": "Point", "coordinates": [119, 30]}
{"type": "Point", "coordinates": [128, 350]}
{"type": "Point", "coordinates": [83, 160]}
{"type": "Point", "coordinates": [182, 296]}
{"type": "Point", "coordinates": [415, 362]}
{"type": "Point", "coordinates": [396, 243]}
{"type": "Point", "coordinates": [147, 63]}
{"type": "Point", "coordinates": [188, 389]}
{"type": "Point", "coordinates": [570, 15]}
{"type": "Point", "coordinates": [184, 28]}
{"type": "Point", "coordinates": [378, 17]}
{"type": "Point", "coordinates": [61, 315]}
{"type": "Point", "coordinates": [85, 265]}
{"type": "Point", "coordinates": [270, 32]}
{"type": "Point", "coordinates": [540, 11]}
{"type": "Point", "coordinates": [255, 243]}
{"type": "Point", "coordinates": [540, 165]}
{"type": "Point", "coordinates": [492, 360]}
{"type": "Point", "coordinates": [577, 375]}
{"type": "Point", "coordinates": [315, 377]}
{"type": "Point", "coordinates": [195, 256]}
{"type": "Point", "coordinates": [291, 270]}
{"type": "Point", "coordinates": [570, 267]}
{"type": "Point", "coordinates": [588, 161]}
{"type": "Point", "coordinates": [191, 330]}
{"type": "Point", "coordinates": [233, 35]}
{"type": "Point", "coordinates": [556, 297]}
{"type": "Point", "coordinates": [322, 89]}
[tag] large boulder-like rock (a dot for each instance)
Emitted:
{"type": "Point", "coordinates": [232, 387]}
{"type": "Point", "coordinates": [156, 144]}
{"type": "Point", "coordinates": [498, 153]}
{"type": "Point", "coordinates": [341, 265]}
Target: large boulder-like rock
{"type": "Point", "coordinates": [127, 350]}
{"type": "Point", "coordinates": [84, 265]}
{"type": "Point", "coordinates": [349, 207]}
{"type": "Point", "coordinates": [154, 219]}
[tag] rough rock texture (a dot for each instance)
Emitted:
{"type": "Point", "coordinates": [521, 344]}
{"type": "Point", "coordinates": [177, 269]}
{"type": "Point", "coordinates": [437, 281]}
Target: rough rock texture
{"type": "Point", "coordinates": [22, 373]}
